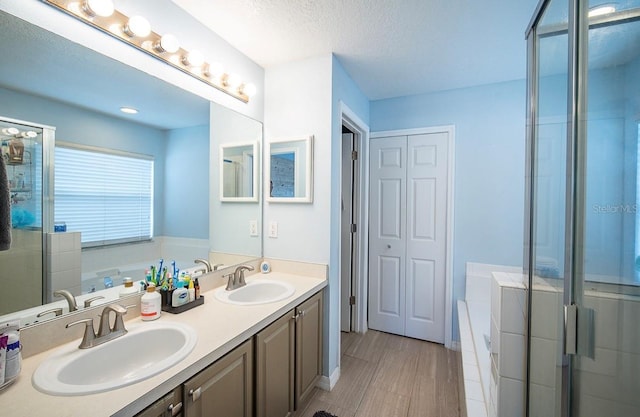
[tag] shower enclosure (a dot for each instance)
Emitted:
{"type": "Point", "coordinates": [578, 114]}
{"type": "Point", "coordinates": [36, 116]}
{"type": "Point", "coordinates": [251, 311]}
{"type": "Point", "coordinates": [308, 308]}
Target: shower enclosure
{"type": "Point", "coordinates": [583, 235]}
{"type": "Point", "coordinates": [26, 149]}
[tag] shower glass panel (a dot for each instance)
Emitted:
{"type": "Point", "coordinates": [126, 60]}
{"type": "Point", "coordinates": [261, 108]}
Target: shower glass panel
{"type": "Point", "coordinates": [25, 151]}
{"type": "Point", "coordinates": [584, 191]}
{"type": "Point", "coordinates": [548, 208]}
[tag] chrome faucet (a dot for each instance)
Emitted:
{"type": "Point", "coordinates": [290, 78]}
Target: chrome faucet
{"type": "Point", "coordinates": [73, 306]}
{"type": "Point", "coordinates": [205, 263]}
{"type": "Point", "coordinates": [105, 331]}
{"type": "Point", "coordinates": [236, 278]}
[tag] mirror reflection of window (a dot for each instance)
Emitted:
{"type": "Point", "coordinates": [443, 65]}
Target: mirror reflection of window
{"type": "Point", "coordinates": [283, 168]}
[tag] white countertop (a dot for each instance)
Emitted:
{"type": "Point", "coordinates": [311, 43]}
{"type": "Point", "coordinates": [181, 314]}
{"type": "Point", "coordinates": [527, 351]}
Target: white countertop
{"type": "Point", "coordinates": [220, 327]}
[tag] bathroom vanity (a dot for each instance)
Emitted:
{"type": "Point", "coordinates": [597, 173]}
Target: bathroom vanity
{"type": "Point", "coordinates": [216, 378]}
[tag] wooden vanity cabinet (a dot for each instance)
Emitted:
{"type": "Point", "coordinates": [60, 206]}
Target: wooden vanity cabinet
{"type": "Point", "coordinates": [223, 389]}
{"type": "Point", "coordinates": [308, 348]}
{"type": "Point", "coordinates": [289, 360]}
{"type": "Point", "coordinates": [168, 406]}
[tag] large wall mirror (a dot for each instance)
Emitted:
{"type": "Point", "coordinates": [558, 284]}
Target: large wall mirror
{"type": "Point", "coordinates": [48, 80]}
{"type": "Point", "coordinates": [290, 171]}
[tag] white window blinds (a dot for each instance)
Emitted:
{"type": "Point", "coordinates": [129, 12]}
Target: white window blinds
{"type": "Point", "coordinates": [106, 196]}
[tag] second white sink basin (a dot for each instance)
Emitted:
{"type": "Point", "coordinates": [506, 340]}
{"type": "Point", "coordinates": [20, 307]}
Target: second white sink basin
{"type": "Point", "coordinates": [146, 350]}
{"type": "Point", "coordinates": [258, 291]}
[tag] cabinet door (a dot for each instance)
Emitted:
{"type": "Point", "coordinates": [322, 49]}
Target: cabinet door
{"type": "Point", "coordinates": [275, 368]}
{"type": "Point", "coordinates": [308, 347]}
{"type": "Point", "coordinates": [223, 389]}
{"type": "Point", "coordinates": [168, 406]}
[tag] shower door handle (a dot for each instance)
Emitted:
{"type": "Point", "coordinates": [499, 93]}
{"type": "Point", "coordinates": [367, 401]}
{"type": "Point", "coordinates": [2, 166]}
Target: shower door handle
{"type": "Point", "coordinates": [570, 329]}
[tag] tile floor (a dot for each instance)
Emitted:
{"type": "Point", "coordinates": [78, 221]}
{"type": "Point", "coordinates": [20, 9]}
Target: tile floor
{"type": "Point", "coordinates": [392, 376]}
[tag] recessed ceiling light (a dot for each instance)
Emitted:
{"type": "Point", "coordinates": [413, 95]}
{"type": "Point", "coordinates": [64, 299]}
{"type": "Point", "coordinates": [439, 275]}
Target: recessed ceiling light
{"type": "Point", "coordinates": [601, 10]}
{"type": "Point", "coordinates": [128, 110]}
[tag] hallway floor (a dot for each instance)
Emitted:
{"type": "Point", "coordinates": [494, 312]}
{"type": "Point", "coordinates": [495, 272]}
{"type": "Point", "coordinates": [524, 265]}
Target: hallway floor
{"type": "Point", "coordinates": [391, 376]}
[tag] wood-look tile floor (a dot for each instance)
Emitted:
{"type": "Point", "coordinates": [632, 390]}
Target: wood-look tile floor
{"type": "Point", "coordinates": [384, 375]}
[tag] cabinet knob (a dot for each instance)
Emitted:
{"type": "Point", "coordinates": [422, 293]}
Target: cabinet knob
{"type": "Point", "coordinates": [194, 394]}
{"type": "Point", "coordinates": [175, 409]}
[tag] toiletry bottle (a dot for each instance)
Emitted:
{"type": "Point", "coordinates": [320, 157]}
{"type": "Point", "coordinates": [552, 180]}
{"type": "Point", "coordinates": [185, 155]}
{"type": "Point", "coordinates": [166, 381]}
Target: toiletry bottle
{"type": "Point", "coordinates": [128, 287]}
{"type": "Point", "coordinates": [180, 296]}
{"type": "Point", "coordinates": [196, 285]}
{"type": "Point", "coordinates": [192, 291]}
{"type": "Point", "coordinates": [14, 357]}
{"type": "Point", "coordinates": [150, 304]}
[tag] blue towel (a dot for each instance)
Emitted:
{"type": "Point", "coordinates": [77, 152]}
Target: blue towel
{"type": "Point", "coordinates": [5, 207]}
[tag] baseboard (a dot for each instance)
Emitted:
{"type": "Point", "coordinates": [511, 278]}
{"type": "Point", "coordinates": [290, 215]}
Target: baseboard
{"type": "Point", "coordinates": [327, 383]}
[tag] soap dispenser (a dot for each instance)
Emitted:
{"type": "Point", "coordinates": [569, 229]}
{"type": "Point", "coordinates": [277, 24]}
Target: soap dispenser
{"type": "Point", "coordinates": [128, 287]}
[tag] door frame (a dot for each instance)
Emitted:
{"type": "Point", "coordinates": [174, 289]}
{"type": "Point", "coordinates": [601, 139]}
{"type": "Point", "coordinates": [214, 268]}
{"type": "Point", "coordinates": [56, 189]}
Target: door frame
{"type": "Point", "coordinates": [450, 130]}
{"type": "Point", "coordinates": [360, 284]}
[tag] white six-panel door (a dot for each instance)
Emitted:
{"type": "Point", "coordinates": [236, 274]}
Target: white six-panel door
{"type": "Point", "coordinates": [408, 232]}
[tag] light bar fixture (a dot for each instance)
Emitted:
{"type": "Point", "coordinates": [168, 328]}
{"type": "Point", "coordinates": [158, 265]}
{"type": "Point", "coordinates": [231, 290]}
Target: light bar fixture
{"type": "Point", "coordinates": [137, 32]}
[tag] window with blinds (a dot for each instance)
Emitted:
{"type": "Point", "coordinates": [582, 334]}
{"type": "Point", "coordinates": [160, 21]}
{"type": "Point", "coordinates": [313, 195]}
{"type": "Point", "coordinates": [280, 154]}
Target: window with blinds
{"type": "Point", "coordinates": [105, 195]}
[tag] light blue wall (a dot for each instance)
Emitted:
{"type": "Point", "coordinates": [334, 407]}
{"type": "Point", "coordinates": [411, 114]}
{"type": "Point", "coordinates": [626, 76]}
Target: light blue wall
{"type": "Point", "coordinates": [346, 91]}
{"type": "Point", "coordinates": [186, 200]}
{"type": "Point", "coordinates": [489, 167]}
{"type": "Point", "coordinates": [77, 125]}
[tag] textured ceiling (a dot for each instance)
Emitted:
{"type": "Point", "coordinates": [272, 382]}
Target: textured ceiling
{"type": "Point", "coordinates": [390, 48]}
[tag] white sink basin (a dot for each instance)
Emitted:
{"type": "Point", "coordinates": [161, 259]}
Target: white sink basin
{"type": "Point", "coordinates": [258, 291]}
{"type": "Point", "coordinates": [146, 350]}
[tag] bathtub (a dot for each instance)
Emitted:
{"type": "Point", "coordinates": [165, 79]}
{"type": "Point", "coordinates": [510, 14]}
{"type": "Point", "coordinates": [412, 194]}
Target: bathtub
{"type": "Point", "coordinates": [98, 280]}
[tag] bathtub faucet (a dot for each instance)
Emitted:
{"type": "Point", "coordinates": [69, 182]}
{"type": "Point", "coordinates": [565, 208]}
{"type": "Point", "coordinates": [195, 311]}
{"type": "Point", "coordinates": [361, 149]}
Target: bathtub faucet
{"type": "Point", "coordinates": [205, 263]}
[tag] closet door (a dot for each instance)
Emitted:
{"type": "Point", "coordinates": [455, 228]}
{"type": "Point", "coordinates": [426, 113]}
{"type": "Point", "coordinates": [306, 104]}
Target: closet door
{"type": "Point", "coordinates": [387, 226]}
{"type": "Point", "coordinates": [408, 234]}
{"type": "Point", "coordinates": [427, 170]}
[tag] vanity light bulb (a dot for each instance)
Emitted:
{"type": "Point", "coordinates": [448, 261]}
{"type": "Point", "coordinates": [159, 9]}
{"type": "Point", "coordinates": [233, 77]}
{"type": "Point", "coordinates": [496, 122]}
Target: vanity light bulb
{"type": "Point", "coordinates": [167, 43]}
{"type": "Point", "coordinates": [10, 131]}
{"type": "Point", "coordinates": [28, 134]}
{"type": "Point", "coordinates": [233, 81]}
{"type": "Point", "coordinates": [137, 26]}
{"type": "Point", "coordinates": [215, 70]}
{"type": "Point", "coordinates": [249, 89]}
{"type": "Point", "coordinates": [193, 59]}
{"type": "Point", "coordinates": [102, 8]}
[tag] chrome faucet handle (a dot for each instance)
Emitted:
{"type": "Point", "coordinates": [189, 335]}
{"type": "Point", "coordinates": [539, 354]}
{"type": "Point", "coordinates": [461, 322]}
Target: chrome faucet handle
{"type": "Point", "coordinates": [118, 325]}
{"type": "Point", "coordinates": [57, 311]}
{"type": "Point", "coordinates": [216, 266]}
{"type": "Point", "coordinates": [88, 301]}
{"type": "Point", "coordinates": [89, 332]}
{"type": "Point", "coordinates": [240, 274]}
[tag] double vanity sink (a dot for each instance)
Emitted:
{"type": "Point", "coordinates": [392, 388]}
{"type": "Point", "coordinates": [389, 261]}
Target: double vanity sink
{"type": "Point", "coordinates": [144, 351]}
{"type": "Point", "coordinates": [126, 374]}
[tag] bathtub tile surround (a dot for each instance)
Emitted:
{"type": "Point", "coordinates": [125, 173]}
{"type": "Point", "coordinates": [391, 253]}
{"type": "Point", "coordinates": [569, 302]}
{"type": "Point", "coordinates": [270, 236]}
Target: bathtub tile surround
{"type": "Point", "coordinates": [508, 344]}
{"type": "Point", "coordinates": [64, 257]}
{"type": "Point", "coordinates": [475, 316]}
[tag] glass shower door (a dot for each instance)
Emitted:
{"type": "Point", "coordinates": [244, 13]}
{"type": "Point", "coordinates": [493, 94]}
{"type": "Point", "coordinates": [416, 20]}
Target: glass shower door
{"type": "Point", "coordinates": [24, 148]}
{"type": "Point", "coordinates": [605, 374]}
{"type": "Point", "coordinates": [584, 191]}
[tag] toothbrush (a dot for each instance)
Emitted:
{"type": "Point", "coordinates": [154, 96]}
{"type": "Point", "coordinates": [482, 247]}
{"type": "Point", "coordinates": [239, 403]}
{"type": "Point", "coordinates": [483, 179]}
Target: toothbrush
{"type": "Point", "coordinates": [173, 264]}
{"type": "Point", "coordinates": [160, 269]}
